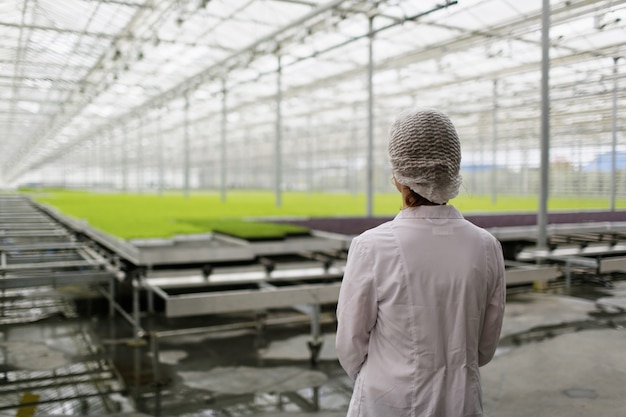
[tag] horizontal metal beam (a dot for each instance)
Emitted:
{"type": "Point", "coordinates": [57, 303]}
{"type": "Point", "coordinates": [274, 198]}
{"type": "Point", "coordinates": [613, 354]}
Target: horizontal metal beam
{"type": "Point", "coordinates": [55, 29]}
{"type": "Point", "coordinates": [519, 273]}
{"type": "Point", "coordinates": [244, 300]}
{"type": "Point", "coordinates": [612, 264]}
{"type": "Point", "coordinates": [54, 279]}
{"type": "Point", "coordinates": [51, 265]}
{"type": "Point", "coordinates": [34, 233]}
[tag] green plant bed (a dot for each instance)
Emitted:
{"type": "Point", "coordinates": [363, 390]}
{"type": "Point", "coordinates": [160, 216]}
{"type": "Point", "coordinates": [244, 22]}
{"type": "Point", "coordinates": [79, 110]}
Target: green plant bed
{"type": "Point", "coordinates": [248, 214]}
{"type": "Point", "coordinates": [249, 230]}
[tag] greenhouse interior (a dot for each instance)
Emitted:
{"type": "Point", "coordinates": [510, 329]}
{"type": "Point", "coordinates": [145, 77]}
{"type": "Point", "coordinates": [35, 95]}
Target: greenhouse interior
{"type": "Point", "coordinates": [181, 181]}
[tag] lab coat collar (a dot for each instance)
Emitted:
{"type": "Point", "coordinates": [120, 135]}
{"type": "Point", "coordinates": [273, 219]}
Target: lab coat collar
{"type": "Point", "coordinates": [430, 212]}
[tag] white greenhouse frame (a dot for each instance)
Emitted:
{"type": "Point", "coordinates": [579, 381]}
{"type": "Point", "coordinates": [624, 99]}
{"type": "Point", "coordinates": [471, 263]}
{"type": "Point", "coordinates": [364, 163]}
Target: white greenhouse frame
{"type": "Point", "coordinates": [149, 95]}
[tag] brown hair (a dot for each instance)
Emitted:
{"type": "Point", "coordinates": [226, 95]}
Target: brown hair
{"type": "Point", "coordinates": [413, 199]}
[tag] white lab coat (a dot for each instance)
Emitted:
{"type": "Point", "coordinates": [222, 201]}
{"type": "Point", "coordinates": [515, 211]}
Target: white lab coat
{"type": "Point", "coordinates": [420, 309]}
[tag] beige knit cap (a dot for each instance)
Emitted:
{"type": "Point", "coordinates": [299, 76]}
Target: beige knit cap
{"type": "Point", "coordinates": [425, 154]}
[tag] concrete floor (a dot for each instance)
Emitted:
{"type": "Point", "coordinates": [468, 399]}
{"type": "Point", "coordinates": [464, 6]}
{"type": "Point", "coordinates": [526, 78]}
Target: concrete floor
{"type": "Point", "coordinates": [559, 355]}
{"type": "Point", "coordinates": [570, 363]}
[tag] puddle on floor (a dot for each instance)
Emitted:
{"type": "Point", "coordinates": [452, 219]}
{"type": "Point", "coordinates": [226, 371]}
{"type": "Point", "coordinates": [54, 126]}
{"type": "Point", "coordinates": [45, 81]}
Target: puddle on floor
{"type": "Point", "coordinates": [533, 317]}
{"type": "Point", "coordinates": [31, 356]}
{"type": "Point", "coordinates": [249, 380]}
{"type": "Point", "coordinates": [232, 374]}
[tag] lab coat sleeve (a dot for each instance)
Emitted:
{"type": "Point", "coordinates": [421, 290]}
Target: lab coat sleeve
{"type": "Point", "coordinates": [494, 313]}
{"type": "Point", "coordinates": [356, 309]}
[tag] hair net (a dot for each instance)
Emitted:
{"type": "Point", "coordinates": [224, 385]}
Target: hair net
{"type": "Point", "coordinates": [425, 154]}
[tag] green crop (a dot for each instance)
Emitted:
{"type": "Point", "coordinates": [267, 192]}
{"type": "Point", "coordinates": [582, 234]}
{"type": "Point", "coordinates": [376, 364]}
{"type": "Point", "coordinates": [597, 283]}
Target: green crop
{"type": "Point", "coordinates": [248, 214]}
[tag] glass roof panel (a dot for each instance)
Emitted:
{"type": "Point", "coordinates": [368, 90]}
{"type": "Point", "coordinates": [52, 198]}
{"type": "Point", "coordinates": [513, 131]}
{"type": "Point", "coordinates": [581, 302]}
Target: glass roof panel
{"type": "Point", "coordinates": [74, 71]}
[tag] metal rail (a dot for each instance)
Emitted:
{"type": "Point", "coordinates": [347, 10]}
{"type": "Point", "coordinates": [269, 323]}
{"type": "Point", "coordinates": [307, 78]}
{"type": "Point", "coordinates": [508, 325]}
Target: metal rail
{"type": "Point", "coordinates": [37, 250]}
{"type": "Point", "coordinates": [36, 253]}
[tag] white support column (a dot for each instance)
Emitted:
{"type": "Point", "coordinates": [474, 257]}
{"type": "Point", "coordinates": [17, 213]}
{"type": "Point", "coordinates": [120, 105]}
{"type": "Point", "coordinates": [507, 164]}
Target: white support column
{"type": "Point", "coordinates": [187, 150]}
{"type": "Point", "coordinates": [223, 154]}
{"type": "Point", "coordinates": [310, 139]}
{"type": "Point", "coordinates": [494, 145]}
{"type": "Point", "coordinates": [94, 162]}
{"type": "Point", "coordinates": [351, 174]}
{"type": "Point", "coordinates": [100, 160]}
{"type": "Point", "coordinates": [160, 160]}
{"type": "Point", "coordinates": [277, 150]}
{"type": "Point", "coordinates": [614, 137]}
{"type": "Point", "coordinates": [544, 183]}
{"type": "Point", "coordinates": [106, 159]}
{"type": "Point", "coordinates": [124, 151]}
{"type": "Point", "coordinates": [370, 120]}
{"type": "Point", "coordinates": [140, 159]}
